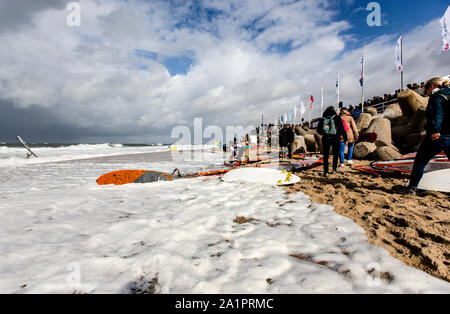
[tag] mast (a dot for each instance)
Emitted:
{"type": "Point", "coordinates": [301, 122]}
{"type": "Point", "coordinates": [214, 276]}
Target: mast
{"type": "Point", "coordinates": [321, 103]}
{"type": "Point", "coordinates": [401, 55]}
{"type": "Point", "coordinates": [338, 84]}
{"type": "Point", "coordinates": [363, 80]}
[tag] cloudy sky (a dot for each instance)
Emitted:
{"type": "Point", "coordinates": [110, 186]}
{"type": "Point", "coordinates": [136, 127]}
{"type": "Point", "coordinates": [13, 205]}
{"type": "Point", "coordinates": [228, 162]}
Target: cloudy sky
{"type": "Point", "coordinates": [133, 70]}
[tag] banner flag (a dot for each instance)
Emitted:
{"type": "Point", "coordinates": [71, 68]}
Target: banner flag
{"type": "Point", "coordinates": [399, 55]}
{"type": "Point", "coordinates": [361, 80]}
{"type": "Point", "coordinates": [445, 25]}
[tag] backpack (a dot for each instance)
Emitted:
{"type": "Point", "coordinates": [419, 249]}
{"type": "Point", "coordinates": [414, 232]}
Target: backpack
{"type": "Point", "coordinates": [329, 127]}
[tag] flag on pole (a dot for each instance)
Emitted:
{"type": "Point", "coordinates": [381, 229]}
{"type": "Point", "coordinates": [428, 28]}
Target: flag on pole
{"type": "Point", "coordinates": [398, 55]}
{"type": "Point", "coordinates": [445, 25]}
{"type": "Point", "coordinates": [311, 101]}
{"type": "Point", "coordinates": [337, 85]}
{"type": "Point", "coordinates": [302, 109]}
{"type": "Point", "coordinates": [285, 118]}
{"type": "Point", "coordinates": [290, 115]}
{"type": "Point", "coordinates": [361, 79]}
{"type": "Point", "coordinates": [338, 94]}
{"type": "Point", "coordinates": [282, 120]}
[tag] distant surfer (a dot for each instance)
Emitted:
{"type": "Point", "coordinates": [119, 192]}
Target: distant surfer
{"type": "Point", "coordinates": [438, 130]}
{"type": "Point", "coordinates": [25, 145]}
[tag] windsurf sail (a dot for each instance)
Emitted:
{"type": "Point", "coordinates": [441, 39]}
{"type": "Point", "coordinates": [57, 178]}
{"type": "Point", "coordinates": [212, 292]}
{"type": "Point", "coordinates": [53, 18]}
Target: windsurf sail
{"type": "Point", "coordinates": [403, 165]}
{"type": "Point", "coordinates": [25, 145]}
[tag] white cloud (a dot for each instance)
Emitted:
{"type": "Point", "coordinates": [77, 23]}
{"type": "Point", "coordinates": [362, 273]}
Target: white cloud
{"type": "Point", "coordinates": [91, 76]}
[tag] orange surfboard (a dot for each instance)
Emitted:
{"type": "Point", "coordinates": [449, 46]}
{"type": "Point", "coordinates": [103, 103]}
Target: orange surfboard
{"type": "Point", "coordinates": [133, 176]}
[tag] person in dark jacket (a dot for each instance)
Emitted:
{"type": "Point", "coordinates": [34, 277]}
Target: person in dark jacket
{"type": "Point", "coordinates": [330, 140]}
{"type": "Point", "coordinates": [289, 139]}
{"type": "Point", "coordinates": [283, 141]}
{"type": "Point", "coordinates": [438, 129]}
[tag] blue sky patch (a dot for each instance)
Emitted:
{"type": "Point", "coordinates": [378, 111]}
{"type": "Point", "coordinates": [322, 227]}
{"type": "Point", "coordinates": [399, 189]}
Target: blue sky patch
{"type": "Point", "coordinates": [178, 65]}
{"type": "Point", "coordinates": [397, 18]}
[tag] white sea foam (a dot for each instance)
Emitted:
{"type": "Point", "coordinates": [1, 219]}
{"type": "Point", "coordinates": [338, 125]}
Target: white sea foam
{"type": "Point", "coordinates": [61, 233]}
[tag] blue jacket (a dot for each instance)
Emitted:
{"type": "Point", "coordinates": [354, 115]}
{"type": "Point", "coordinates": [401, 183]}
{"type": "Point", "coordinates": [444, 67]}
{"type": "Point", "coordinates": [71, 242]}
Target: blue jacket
{"type": "Point", "coordinates": [438, 113]}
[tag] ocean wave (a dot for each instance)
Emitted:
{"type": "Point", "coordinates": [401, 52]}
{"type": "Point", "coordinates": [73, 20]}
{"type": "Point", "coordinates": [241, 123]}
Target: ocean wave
{"type": "Point", "coordinates": [16, 156]}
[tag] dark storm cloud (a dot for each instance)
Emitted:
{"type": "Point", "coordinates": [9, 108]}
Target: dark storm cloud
{"type": "Point", "coordinates": [15, 14]}
{"type": "Point", "coordinates": [39, 124]}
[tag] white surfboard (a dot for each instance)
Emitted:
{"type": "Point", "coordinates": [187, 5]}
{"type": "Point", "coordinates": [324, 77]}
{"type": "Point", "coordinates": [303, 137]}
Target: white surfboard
{"type": "Point", "coordinates": [261, 175]}
{"type": "Point", "coordinates": [438, 181]}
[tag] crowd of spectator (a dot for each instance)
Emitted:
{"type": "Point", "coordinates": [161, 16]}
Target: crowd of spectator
{"type": "Point", "coordinates": [386, 98]}
{"type": "Point", "coordinates": [356, 110]}
{"type": "Point", "coordinates": [418, 88]}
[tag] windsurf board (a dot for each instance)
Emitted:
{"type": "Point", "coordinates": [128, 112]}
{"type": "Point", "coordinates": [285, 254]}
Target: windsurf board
{"type": "Point", "coordinates": [122, 177]}
{"type": "Point", "coordinates": [24, 144]}
{"type": "Point", "coordinates": [438, 181]}
{"type": "Point", "coordinates": [261, 175]}
{"type": "Point", "coordinates": [133, 176]}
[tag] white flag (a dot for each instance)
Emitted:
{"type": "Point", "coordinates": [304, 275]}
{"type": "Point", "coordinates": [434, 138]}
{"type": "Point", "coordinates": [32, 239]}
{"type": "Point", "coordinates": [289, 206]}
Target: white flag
{"type": "Point", "coordinates": [303, 109]}
{"type": "Point", "coordinates": [398, 55]}
{"type": "Point", "coordinates": [445, 25]}
{"type": "Point", "coordinates": [337, 85]}
{"type": "Point", "coordinates": [295, 112]}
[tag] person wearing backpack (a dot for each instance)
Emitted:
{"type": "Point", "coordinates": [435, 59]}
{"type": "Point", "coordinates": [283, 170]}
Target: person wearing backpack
{"type": "Point", "coordinates": [437, 138]}
{"type": "Point", "coordinates": [332, 130]}
{"type": "Point", "coordinates": [352, 135]}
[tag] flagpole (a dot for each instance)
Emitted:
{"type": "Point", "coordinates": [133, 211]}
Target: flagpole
{"type": "Point", "coordinates": [310, 107]}
{"type": "Point", "coordinates": [401, 54]}
{"type": "Point", "coordinates": [363, 81]}
{"type": "Point", "coordinates": [338, 91]}
{"type": "Point", "coordinates": [321, 103]}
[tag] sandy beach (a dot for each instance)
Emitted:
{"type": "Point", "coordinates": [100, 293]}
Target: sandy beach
{"type": "Point", "coordinates": [414, 229]}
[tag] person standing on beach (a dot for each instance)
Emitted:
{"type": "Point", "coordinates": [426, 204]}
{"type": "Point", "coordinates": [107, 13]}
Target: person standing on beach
{"type": "Point", "coordinates": [352, 136]}
{"type": "Point", "coordinates": [437, 138]}
{"type": "Point", "coordinates": [332, 130]}
{"type": "Point", "coordinates": [290, 139]}
{"type": "Point", "coordinates": [283, 141]}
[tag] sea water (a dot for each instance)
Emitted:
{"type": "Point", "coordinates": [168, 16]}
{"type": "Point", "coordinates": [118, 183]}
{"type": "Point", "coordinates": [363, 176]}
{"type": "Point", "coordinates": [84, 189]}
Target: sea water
{"type": "Point", "coordinates": [62, 233]}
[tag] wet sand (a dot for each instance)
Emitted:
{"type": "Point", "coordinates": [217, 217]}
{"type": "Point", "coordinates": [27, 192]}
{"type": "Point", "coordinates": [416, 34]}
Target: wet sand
{"type": "Point", "coordinates": [414, 229]}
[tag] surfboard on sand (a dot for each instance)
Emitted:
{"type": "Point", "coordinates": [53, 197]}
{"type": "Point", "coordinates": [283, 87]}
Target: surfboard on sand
{"type": "Point", "coordinates": [436, 176]}
{"type": "Point", "coordinates": [293, 166]}
{"type": "Point", "coordinates": [25, 145]}
{"type": "Point", "coordinates": [403, 165]}
{"type": "Point", "coordinates": [122, 177]}
{"type": "Point", "coordinates": [133, 176]}
{"type": "Point", "coordinates": [261, 175]}
{"type": "Point", "coordinates": [438, 181]}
